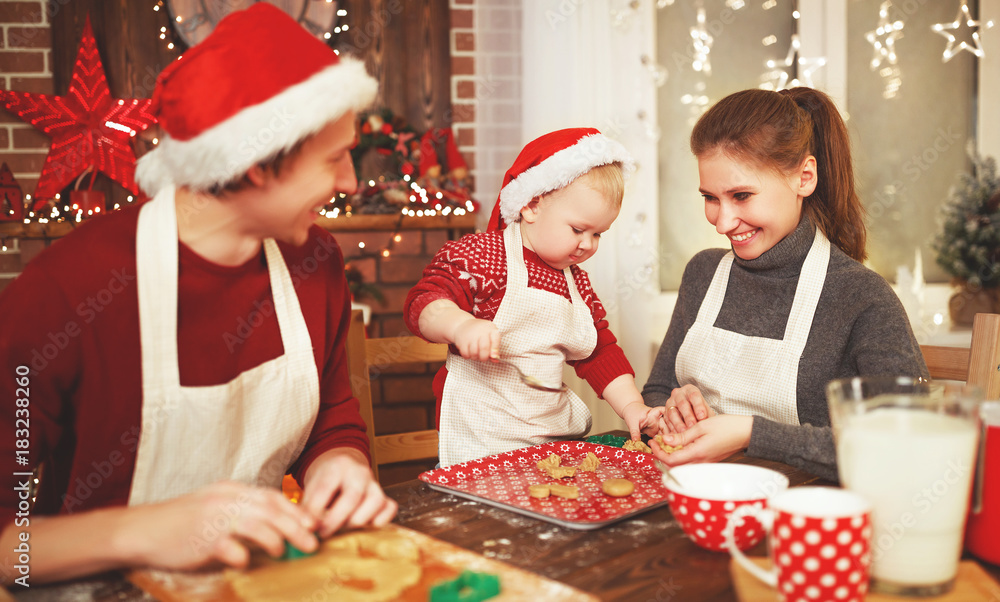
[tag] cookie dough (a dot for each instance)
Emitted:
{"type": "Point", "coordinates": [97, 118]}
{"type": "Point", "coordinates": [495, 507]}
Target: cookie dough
{"type": "Point", "coordinates": [539, 491]}
{"type": "Point", "coordinates": [350, 568]}
{"type": "Point", "coordinates": [667, 448]}
{"type": "Point", "coordinates": [561, 472]}
{"type": "Point", "coordinates": [570, 492]}
{"type": "Point", "coordinates": [552, 461]}
{"type": "Point", "coordinates": [551, 466]}
{"type": "Point", "coordinates": [618, 487]}
{"type": "Point", "coordinates": [590, 463]}
{"type": "Point", "coordinates": [637, 446]}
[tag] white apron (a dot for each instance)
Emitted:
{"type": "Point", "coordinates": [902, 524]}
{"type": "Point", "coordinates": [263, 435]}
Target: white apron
{"type": "Point", "coordinates": [746, 375]}
{"type": "Point", "coordinates": [247, 430]}
{"type": "Point", "coordinates": [485, 408]}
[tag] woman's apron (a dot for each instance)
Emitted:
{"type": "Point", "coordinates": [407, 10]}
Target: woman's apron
{"type": "Point", "coordinates": [747, 375]}
{"type": "Point", "coordinates": [485, 408]}
{"type": "Point", "coordinates": [247, 430]}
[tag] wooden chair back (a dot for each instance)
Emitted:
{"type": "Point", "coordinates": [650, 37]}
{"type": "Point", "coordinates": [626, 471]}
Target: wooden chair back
{"type": "Point", "coordinates": [977, 365]}
{"type": "Point", "coordinates": [364, 355]}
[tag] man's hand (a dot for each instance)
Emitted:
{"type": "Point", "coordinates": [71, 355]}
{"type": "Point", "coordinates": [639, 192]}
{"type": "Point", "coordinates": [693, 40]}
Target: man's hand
{"type": "Point", "coordinates": [341, 491]}
{"type": "Point", "coordinates": [216, 523]}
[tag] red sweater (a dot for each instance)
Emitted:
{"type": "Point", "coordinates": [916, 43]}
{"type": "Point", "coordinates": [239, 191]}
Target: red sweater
{"type": "Point", "coordinates": [472, 272]}
{"type": "Point", "coordinates": [72, 316]}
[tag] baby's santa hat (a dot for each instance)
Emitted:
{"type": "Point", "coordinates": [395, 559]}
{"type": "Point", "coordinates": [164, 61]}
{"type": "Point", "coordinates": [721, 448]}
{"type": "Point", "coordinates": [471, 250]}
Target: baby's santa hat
{"type": "Point", "coordinates": [257, 85]}
{"type": "Point", "coordinates": [551, 162]}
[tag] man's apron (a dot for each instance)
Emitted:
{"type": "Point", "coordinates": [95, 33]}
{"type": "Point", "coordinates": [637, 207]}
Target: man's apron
{"type": "Point", "coordinates": [249, 429]}
{"type": "Point", "coordinates": [485, 408]}
{"type": "Point", "coordinates": [746, 375]}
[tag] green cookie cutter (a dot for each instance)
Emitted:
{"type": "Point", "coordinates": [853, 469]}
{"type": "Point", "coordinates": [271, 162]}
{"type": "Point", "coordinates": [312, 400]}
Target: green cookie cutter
{"type": "Point", "coordinates": [611, 440]}
{"type": "Point", "coordinates": [292, 553]}
{"type": "Point", "coordinates": [467, 587]}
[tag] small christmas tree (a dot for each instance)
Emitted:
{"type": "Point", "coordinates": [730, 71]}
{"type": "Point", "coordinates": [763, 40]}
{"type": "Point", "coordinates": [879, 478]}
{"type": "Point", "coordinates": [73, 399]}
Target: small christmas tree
{"type": "Point", "coordinates": [968, 246]}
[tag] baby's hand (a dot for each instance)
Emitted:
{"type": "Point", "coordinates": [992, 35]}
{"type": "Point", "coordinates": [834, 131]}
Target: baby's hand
{"type": "Point", "coordinates": [478, 340]}
{"type": "Point", "coordinates": [640, 418]}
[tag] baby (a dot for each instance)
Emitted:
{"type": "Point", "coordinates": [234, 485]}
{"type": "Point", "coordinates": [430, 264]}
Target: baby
{"type": "Point", "coordinates": [516, 293]}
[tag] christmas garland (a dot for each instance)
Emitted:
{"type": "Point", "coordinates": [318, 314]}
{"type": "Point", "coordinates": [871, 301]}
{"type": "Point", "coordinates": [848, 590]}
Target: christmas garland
{"type": "Point", "coordinates": [412, 180]}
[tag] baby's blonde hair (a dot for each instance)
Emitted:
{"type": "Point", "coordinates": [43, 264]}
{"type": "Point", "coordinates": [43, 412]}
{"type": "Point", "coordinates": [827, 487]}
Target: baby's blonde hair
{"type": "Point", "coordinates": [608, 180]}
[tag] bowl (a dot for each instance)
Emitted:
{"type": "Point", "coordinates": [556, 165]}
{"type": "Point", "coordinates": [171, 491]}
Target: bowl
{"type": "Point", "coordinates": [710, 492]}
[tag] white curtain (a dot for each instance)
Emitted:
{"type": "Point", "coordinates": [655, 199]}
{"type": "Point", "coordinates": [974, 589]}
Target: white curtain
{"type": "Point", "coordinates": [582, 69]}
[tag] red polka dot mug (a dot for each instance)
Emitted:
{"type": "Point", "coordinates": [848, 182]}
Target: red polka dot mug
{"type": "Point", "coordinates": [820, 543]}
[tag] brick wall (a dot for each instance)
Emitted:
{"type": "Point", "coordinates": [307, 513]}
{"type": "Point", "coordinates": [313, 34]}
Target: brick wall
{"type": "Point", "coordinates": [484, 90]}
{"type": "Point", "coordinates": [25, 65]}
{"type": "Point", "coordinates": [494, 89]}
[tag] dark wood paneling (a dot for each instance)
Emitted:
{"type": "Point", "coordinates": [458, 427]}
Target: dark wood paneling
{"type": "Point", "coordinates": [404, 44]}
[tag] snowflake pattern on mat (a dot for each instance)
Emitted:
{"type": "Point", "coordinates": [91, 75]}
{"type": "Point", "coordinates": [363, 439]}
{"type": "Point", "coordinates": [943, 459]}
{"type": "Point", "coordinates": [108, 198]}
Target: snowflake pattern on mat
{"type": "Point", "coordinates": [502, 480]}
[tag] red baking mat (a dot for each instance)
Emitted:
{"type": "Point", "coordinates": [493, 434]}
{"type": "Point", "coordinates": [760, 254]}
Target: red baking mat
{"type": "Point", "coordinates": [502, 480]}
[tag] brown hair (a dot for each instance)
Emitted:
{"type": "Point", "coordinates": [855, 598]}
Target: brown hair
{"type": "Point", "coordinates": [271, 164]}
{"type": "Point", "coordinates": [608, 180]}
{"type": "Point", "coordinates": [778, 130]}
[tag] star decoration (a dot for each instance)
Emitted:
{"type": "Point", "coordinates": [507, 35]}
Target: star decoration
{"type": "Point", "coordinates": [883, 38]}
{"type": "Point", "coordinates": [967, 29]}
{"type": "Point", "coordinates": [778, 79]}
{"type": "Point", "coordinates": [89, 128]}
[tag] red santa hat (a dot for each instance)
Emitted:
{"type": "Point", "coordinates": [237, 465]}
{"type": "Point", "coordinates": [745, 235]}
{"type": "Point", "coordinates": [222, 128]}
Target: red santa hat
{"type": "Point", "coordinates": [551, 162]}
{"type": "Point", "coordinates": [257, 85]}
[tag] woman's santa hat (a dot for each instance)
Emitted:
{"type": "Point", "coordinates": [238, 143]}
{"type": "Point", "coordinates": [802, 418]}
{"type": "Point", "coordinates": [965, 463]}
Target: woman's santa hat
{"type": "Point", "coordinates": [256, 86]}
{"type": "Point", "coordinates": [551, 162]}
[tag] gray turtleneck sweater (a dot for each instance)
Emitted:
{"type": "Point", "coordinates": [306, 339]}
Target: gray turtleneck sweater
{"type": "Point", "coordinates": [859, 329]}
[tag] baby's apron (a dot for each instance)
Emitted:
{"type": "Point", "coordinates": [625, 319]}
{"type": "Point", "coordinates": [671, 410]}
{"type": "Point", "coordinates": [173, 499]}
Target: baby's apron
{"type": "Point", "coordinates": [485, 408]}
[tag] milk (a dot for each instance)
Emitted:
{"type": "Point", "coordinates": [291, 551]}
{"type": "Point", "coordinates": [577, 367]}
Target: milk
{"type": "Point", "coordinates": [915, 467]}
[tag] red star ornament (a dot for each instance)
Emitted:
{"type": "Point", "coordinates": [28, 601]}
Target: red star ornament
{"type": "Point", "coordinates": [89, 128]}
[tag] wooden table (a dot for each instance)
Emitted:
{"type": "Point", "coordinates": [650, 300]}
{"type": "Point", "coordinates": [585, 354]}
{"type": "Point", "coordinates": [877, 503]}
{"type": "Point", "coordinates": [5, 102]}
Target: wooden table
{"type": "Point", "coordinates": [645, 558]}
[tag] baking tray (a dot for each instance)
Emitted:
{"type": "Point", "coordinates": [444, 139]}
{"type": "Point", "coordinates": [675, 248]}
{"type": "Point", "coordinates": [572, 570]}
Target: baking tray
{"type": "Point", "coordinates": [502, 480]}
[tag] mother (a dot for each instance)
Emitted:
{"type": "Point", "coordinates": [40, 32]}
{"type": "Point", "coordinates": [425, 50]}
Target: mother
{"type": "Point", "coordinates": [758, 331]}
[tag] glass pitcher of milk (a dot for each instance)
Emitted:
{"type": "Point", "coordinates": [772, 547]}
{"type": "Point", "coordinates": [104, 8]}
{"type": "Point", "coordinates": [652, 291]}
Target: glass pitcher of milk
{"type": "Point", "coordinates": [909, 446]}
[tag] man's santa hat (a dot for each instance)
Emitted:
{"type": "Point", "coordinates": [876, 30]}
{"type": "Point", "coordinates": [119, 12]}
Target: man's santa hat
{"type": "Point", "coordinates": [257, 85]}
{"type": "Point", "coordinates": [551, 162]}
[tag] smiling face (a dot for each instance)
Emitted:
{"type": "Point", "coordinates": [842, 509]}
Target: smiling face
{"type": "Point", "coordinates": [287, 203]}
{"type": "Point", "coordinates": [564, 227]}
{"type": "Point", "coordinates": [755, 208]}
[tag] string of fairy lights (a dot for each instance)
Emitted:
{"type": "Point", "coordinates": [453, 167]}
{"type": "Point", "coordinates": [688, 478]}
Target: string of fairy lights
{"type": "Point", "coordinates": [422, 203]}
{"type": "Point", "coordinates": [963, 33]}
{"type": "Point", "coordinates": [795, 69]}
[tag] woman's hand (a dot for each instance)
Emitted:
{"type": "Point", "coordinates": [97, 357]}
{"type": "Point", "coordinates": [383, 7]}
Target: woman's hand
{"type": "Point", "coordinates": [710, 440]}
{"type": "Point", "coordinates": [685, 408]}
{"type": "Point", "coordinates": [478, 340]}
{"type": "Point", "coordinates": [340, 489]}
{"type": "Point", "coordinates": [217, 523]}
